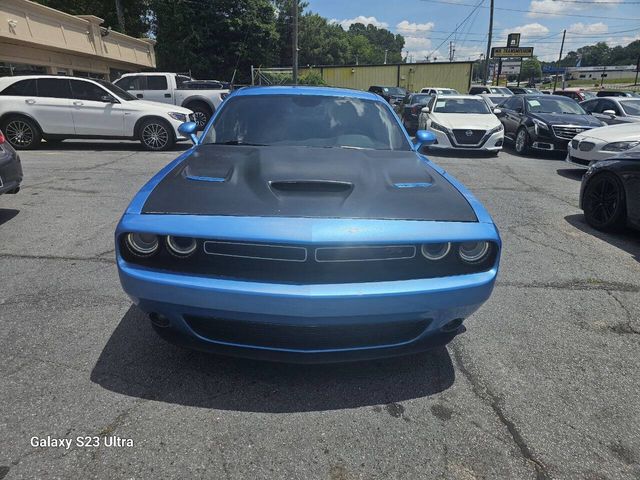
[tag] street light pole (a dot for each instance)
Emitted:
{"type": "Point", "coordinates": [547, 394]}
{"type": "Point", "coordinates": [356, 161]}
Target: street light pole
{"type": "Point", "coordinates": [486, 58]}
{"type": "Point", "coordinates": [295, 42]}
{"type": "Point", "coordinates": [555, 82]}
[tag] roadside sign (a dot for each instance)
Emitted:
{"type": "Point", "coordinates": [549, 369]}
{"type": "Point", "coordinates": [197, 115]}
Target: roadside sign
{"type": "Point", "coordinates": [507, 52]}
{"type": "Point", "coordinates": [513, 40]}
{"type": "Point", "coordinates": [511, 67]}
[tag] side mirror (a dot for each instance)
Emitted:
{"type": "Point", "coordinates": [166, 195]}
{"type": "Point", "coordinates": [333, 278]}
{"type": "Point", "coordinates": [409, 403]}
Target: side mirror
{"type": "Point", "coordinates": [107, 99]}
{"type": "Point", "coordinates": [497, 111]}
{"type": "Point", "coordinates": [425, 110]}
{"type": "Point", "coordinates": [188, 129]}
{"type": "Point", "coordinates": [611, 113]}
{"type": "Point", "coordinates": [423, 137]}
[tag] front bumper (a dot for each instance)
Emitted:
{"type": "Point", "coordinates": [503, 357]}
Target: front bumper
{"type": "Point", "coordinates": [238, 317]}
{"type": "Point", "coordinates": [491, 143]}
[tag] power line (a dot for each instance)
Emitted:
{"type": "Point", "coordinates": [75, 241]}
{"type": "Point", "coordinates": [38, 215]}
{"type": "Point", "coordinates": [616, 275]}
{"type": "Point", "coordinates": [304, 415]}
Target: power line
{"type": "Point", "coordinates": [529, 11]}
{"type": "Point", "coordinates": [475, 7]}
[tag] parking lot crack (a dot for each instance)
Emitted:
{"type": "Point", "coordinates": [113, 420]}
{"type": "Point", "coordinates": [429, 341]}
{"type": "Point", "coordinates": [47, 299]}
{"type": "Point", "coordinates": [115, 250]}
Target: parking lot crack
{"type": "Point", "coordinates": [60, 258]}
{"type": "Point", "coordinates": [495, 402]}
{"type": "Point", "coordinates": [577, 284]}
{"type": "Point", "coordinates": [626, 326]}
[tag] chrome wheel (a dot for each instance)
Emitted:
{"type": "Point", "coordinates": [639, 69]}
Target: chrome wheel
{"type": "Point", "coordinates": [155, 136]}
{"type": "Point", "coordinates": [201, 119]}
{"type": "Point", "coordinates": [19, 133]}
{"type": "Point", "coordinates": [521, 141]}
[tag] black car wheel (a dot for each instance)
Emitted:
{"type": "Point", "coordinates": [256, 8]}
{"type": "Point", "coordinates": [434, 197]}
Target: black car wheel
{"type": "Point", "coordinates": [522, 141]}
{"type": "Point", "coordinates": [22, 133]}
{"type": "Point", "coordinates": [603, 202]}
{"type": "Point", "coordinates": [156, 135]}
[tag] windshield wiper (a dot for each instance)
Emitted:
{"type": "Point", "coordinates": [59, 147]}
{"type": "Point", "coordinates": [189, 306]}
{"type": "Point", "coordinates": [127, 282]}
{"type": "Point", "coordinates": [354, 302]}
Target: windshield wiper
{"type": "Point", "coordinates": [240, 142]}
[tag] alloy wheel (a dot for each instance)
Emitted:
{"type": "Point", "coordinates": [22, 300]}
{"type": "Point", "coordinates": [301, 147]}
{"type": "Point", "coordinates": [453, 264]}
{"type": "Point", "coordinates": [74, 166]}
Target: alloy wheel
{"type": "Point", "coordinates": [603, 200]}
{"type": "Point", "coordinates": [521, 141]}
{"type": "Point", "coordinates": [201, 119]}
{"type": "Point", "coordinates": [19, 133]}
{"type": "Point", "coordinates": [155, 136]}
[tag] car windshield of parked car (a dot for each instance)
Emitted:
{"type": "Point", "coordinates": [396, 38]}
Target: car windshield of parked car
{"type": "Point", "coordinates": [553, 105]}
{"type": "Point", "coordinates": [307, 120]}
{"type": "Point", "coordinates": [122, 94]}
{"type": "Point", "coordinates": [447, 91]}
{"type": "Point", "coordinates": [460, 105]}
{"type": "Point", "coordinates": [421, 98]}
{"type": "Point", "coordinates": [589, 95]}
{"type": "Point", "coordinates": [394, 91]}
{"type": "Point", "coordinates": [631, 106]}
{"type": "Point", "coordinates": [501, 90]}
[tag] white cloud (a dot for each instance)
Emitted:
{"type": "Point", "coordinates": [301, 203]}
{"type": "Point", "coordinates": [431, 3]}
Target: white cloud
{"type": "Point", "coordinates": [346, 23]}
{"type": "Point", "coordinates": [538, 8]}
{"type": "Point", "coordinates": [528, 30]}
{"type": "Point", "coordinates": [591, 28]}
{"type": "Point", "coordinates": [406, 27]}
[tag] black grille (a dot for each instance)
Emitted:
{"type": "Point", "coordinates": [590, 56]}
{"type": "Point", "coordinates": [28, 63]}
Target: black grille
{"type": "Point", "coordinates": [586, 146]}
{"type": "Point", "coordinates": [336, 264]}
{"type": "Point", "coordinates": [468, 137]}
{"type": "Point", "coordinates": [580, 161]}
{"type": "Point", "coordinates": [320, 335]}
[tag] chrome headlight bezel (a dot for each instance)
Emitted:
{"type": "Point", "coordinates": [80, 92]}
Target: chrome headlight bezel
{"type": "Point", "coordinates": [436, 126]}
{"type": "Point", "coordinates": [539, 125]}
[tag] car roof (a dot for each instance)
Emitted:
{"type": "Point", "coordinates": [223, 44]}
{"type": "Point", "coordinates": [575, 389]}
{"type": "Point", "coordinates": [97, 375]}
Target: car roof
{"type": "Point", "coordinates": [307, 90]}
{"type": "Point", "coordinates": [6, 81]}
{"type": "Point", "coordinates": [462, 97]}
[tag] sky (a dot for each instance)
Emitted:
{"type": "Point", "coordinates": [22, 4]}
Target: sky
{"type": "Point", "coordinates": [429, 25]}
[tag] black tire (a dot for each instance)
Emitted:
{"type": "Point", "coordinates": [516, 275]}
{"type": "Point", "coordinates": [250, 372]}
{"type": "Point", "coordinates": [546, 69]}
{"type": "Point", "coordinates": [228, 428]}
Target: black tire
{"type": "Point", "coordinates": [201, 114]}
{"type": "Point", "coordinates": [156, 135]}
{"type": "Point", "coordinates": [22, 132]}
{"type": "Point", "coordinates": [523, 146]}
{"type": "Point", "coordinates": [604, 203]}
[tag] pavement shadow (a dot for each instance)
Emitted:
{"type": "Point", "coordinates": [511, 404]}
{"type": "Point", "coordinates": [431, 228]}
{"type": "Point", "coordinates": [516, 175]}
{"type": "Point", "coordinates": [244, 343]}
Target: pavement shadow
{"type": "Point", "coordinates": [571, 173]}
{"type": "Point", "coordinates": [106, 145]}
{"type": "Point", "coordinates": [7, 214]}
{"type": "Point", "coordinates": [535, 154]}
{"type": "Point", "coordinates": [136, 362]}
{"type": "Point", "coordinates": [626, 239]}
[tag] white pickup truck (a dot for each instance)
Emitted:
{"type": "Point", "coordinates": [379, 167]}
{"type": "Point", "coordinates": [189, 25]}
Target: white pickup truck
{"type": "Point", "coordinates": [201, 97]}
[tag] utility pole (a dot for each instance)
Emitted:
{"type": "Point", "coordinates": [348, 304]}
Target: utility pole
{"type": "Point", "coordinates": [555, 82]}
{"type": "Point", "coordinates": [385, 56]}
{"type": "Point", "coordinates": [488, 56]}
{"type": "Point", "coordinates": [295, 42]}
{"type": "Point", "coordinates": [120, 15]}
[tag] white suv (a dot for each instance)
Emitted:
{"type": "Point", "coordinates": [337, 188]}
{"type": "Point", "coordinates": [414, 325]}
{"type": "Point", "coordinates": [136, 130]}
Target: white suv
{"type": "Point", "coordinates": [55, 108]}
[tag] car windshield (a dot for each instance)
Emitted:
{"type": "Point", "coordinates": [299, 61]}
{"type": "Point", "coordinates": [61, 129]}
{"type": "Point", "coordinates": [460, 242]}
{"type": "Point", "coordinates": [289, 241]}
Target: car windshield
{"type": "Point", "coordinates": [460, 105]}
{"type": "Point", "coordinates": [631, 106]}
{"type": "Point", "coordinates": [124, 95]}
{"type": "Point", "coordinates": [307, 120]}
{"type": "Point", "coordinates": [420, 98]}
{"type": "Point", "coordinates": [532, 90]}
{"type": "Point", "coordinates": [394, 90]}
{"type": "Point", "coordinates": [589, 95]}
{"type": "Point", "coordinates": [447, 91]}
{"type": "Point", "coordinates": [553, 105]}
{"type": "Point", "coordinates": [501, 90]}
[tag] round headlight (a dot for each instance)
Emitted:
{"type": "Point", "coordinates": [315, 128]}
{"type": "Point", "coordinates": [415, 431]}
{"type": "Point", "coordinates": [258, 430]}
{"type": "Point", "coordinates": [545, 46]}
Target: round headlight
{"type": "Point", "coordinates": [181, 246]}
{"type": "Point", "coordinates": [142, 244]}
{"type": "Point", "coordinates": [435, 251]}
{"type": "Point", "coordinates": [473, 252]}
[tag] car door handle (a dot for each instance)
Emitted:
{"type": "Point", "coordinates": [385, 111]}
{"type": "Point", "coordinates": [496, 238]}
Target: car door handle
{"type": "Point", "coordinates": [30, 101]}
{"type": "Point", "coordinates": [78, 103]}
{"type": "Point", "coordinates": [139, 95]}
{"type": "Point", "coordinates": [167, 95]}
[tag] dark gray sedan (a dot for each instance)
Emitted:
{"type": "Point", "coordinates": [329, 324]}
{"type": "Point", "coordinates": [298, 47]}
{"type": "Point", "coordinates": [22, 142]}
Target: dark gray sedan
{"type": "Point", "coordinates": [614, 110]}
{"type": "Point", "coordinates": [10, 168]}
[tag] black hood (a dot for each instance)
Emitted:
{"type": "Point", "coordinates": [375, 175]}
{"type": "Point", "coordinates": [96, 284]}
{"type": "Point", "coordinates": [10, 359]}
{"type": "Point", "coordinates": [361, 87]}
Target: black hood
{"type": "Point", "coordinates": [568, 119]}
{"type": "Point", "coordinates": [307, 182]}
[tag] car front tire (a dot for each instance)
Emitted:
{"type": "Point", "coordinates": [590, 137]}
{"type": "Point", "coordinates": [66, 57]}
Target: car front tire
{"type": "Point", "coordinates": [522, 141]}
{"type": "Point", "coordinates": [155, 135]}
{"type": "Point", "coordinates": [201, 114]}
{"type": "Point", "coordinates": [604, 202]}
{"type": "Point", "coordinates": [22, 132]}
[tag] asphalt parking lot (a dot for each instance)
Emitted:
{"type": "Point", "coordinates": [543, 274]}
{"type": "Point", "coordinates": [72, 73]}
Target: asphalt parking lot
{"type": "Point", "coordinates": [544, 384]}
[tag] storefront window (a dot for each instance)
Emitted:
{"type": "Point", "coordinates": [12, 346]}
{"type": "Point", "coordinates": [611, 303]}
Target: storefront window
{"type": "Point", "coordinates": [10, 69]}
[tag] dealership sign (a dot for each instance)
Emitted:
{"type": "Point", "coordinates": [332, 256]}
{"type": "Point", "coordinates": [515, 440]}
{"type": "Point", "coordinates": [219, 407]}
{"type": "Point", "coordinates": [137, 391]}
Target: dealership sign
{"type": "Point", "coordinates": [511, 67]}
{"type": "Point", "coordinates": [511, 52]}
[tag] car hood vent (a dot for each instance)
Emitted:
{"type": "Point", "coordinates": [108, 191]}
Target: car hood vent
{"type": "Point", "coordinates": [311, 186]}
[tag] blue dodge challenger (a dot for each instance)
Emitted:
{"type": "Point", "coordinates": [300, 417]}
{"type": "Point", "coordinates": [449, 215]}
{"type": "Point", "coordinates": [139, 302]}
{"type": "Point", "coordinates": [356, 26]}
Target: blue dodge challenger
{"type": "Point", "coordinates": [304, 225]}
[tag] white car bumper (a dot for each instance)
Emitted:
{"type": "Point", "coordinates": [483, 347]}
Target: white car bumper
{"type": "Point", "coordinates": [583, 159]}
{"type": "Point", "coordinates": [489, 143]}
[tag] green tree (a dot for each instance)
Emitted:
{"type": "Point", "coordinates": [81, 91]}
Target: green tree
{"type": "Point", "coordinates": [136, 12]}
{"type": "Point", "coordinates": [531, 68]}
{"type": "Point", "coordinates": [216, 38]}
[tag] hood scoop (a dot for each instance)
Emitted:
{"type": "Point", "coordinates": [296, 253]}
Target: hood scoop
{"type": "Point", "coordinates": [211, 174]}
{"type": "Point", "coordinates": [310, 186]}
